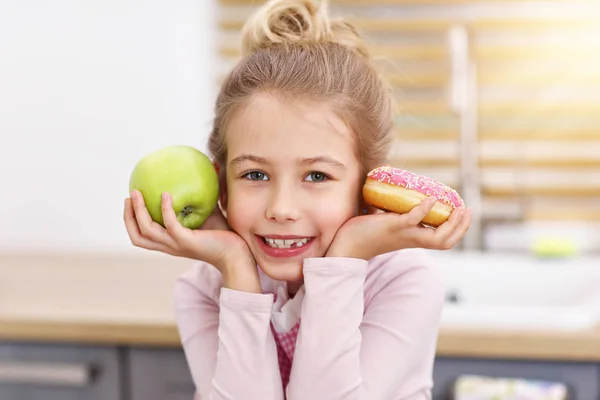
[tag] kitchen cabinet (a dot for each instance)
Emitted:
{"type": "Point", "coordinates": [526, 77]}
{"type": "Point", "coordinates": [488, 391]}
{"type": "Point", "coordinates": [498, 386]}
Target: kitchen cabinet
{"type": "Point", "coordinates": [55, 371]}
{"type": "Point", "coordinates": [580, 378]}
{"type": "Point", "coordinates": [159, 374]}
{"type": "Point", "coordinates": [50, 371]}
{"type": "Point", "coordinates": [60, 372]}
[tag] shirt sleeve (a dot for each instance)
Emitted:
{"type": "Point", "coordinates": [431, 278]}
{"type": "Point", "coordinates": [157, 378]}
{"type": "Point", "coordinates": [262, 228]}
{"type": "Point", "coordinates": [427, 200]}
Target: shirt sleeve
{"type": "Point", "coordinates": [226, 338]}
{"type": "Point", "coordinates": [345, 351]}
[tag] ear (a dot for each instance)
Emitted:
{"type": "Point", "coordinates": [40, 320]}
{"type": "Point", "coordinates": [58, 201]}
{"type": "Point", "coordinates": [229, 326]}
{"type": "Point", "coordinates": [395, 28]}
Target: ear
{"type": "Point", "coordinates": [222, 186]}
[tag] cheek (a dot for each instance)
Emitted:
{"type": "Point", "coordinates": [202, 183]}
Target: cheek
{"type": "Point", "coordinates": [240, 213]}
{"type": "Point", "coordinates": [335, 212]}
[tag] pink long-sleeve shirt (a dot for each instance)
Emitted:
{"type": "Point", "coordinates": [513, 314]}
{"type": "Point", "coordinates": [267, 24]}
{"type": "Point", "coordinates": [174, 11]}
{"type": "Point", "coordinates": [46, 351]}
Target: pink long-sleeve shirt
{"type": "Point", "coordinates": [368, 331]}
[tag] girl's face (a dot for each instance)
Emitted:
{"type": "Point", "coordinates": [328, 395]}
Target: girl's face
{"type": "Point", "coordinates": [292, 180]}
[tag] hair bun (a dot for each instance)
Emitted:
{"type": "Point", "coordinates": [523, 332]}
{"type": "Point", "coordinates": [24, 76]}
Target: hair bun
{"type": "Point", "coordinates": [297, 21]}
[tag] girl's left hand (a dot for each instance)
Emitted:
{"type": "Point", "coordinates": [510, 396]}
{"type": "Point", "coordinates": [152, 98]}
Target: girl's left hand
{"type": "Point", "coordinates": [367, 236]}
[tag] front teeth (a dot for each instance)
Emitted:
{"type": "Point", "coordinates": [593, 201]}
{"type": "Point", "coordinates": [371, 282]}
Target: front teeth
{"type": "Point", "coordinates": [287, 243]}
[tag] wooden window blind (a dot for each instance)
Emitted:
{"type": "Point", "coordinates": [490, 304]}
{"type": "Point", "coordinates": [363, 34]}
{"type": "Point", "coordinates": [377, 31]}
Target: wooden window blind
{"type": "Point", "coordinates": [500, 100]}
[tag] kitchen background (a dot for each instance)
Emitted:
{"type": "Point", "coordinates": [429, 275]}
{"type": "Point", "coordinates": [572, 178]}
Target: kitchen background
{"type": "Point", "coordinates": [500, 99]}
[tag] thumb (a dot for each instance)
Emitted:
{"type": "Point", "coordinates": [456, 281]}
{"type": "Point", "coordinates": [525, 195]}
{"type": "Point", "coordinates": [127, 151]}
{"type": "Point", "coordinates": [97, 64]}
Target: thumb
{"type": "Point", "coordinates": [417, 213]}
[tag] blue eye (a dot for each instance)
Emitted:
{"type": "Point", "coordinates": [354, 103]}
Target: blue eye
{"type": "Point", "coordinates": [317, 177]}
{"type": "Point", "coordinates": [256, 176]}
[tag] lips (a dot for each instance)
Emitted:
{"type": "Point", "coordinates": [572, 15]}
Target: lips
{"type": "Point", "coordinates": [284, 246]}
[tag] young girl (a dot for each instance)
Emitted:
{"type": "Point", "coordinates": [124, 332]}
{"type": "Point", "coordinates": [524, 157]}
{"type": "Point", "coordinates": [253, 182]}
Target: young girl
{"type": "Point", "coordinates": [298, 293]}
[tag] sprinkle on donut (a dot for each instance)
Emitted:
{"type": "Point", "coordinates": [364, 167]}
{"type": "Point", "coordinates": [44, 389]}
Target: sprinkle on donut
{"type": "Point", "coordinates": [419, 183]}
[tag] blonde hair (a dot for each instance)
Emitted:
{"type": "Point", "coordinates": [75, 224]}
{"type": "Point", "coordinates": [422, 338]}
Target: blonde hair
{"type": "Point", "coordinates": [293, 49]}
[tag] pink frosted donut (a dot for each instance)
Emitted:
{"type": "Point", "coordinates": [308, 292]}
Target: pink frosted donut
{"type": "Point", "coordinates": [398, 190]}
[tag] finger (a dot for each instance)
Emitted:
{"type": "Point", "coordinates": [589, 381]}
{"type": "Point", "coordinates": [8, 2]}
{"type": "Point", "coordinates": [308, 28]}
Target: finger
{"type": "Point", "coordinates": [135, 235]}
{"type": "Point", "coordinates": [445, 230]}
{"type": "Point", "coordinates": [462, 228]}
{"type": "Point", "coordinates": [148, 228]}
{"type": "Point", "coordinates": [177, 231]}
{"type": "Point", "coordinates": [436, 238]}
{"type": "Point", "coordinates": [416, 215]}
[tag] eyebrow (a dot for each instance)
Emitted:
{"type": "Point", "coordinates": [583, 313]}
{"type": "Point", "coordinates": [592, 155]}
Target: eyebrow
{"type": "Point", "coordinates": [323, 159]}
{"type": "Point", "coordinates": [248, 157]}
{"type": "Point", "coordinates": [307, 161]}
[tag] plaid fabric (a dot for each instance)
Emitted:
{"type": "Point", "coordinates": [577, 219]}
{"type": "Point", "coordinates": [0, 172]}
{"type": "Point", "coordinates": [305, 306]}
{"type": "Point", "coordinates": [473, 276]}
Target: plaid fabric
{"type": "Point", "coordinates": [286, 344]}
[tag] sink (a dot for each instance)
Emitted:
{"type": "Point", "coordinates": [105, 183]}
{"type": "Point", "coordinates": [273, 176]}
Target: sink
{"type": "Point", "coordinates": [517, 291]}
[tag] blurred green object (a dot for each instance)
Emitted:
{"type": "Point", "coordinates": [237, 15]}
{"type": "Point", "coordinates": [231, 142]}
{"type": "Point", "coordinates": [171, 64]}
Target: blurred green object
{"type": "Point", "coordinates": [553, 247]}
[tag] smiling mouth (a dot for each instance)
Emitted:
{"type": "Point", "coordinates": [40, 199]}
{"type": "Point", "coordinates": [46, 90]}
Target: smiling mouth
{"type": "Point", "coordinates": [286, 243]}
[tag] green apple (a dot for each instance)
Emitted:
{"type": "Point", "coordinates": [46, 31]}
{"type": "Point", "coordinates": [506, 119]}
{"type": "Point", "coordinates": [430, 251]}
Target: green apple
{"type": "Point", "coordinates": [186, 174]}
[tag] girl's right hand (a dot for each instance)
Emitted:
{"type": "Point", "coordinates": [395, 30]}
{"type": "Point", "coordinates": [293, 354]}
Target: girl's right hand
{"type": "Point", "coordinates": [214, 243]}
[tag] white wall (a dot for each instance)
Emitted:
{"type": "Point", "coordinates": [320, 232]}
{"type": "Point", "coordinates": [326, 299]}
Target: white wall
{"type": "Point", "coordinates": [86, 89]}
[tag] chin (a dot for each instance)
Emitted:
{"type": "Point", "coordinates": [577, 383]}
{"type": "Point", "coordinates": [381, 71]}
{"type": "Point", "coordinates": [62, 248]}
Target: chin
{"type": "Point", "coordinates": [289, 271]}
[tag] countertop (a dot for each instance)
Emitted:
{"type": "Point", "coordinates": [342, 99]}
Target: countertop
{"type": "Point", "coordinates": [126, 299]}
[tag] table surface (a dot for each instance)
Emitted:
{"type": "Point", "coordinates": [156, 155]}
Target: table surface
{"type": "Point", "coordinates": [126, 299]}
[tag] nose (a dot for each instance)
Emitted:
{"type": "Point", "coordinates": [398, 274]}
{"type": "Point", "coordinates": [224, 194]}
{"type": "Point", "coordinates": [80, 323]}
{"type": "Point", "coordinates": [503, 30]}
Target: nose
{"type": "Point", "coordinates": [284, 204]}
